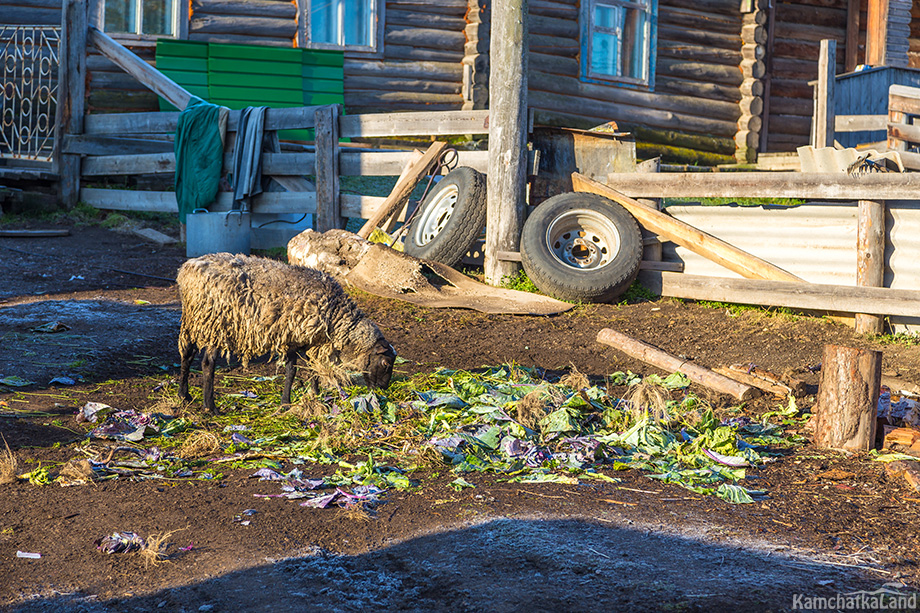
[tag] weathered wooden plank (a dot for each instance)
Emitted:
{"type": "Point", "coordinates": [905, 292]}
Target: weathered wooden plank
{"type": "Point", "coordinates": [388, 84]}
{"type": "Point", "coordinates": [429, 38]}
{"type": "Point", "coordinates": [451, 22]}
{"type": "Point", "coordinates": [141, 70]}
{"type": "Point", "coordinates": [71, 96]}
{"type": "Point", "coordinates": [811, 296]}
{"type": "Point", "coordinates": [394, 51]}
{"type": "Point", "coordinates": [860, 123]}
{"type": "Point", "coordinates": [699, 53]}
{"type": "Point", "coordinates": [870, 258]}
{"type": "Point", "coordinates": [328, 214]}
{"type": "Point", "coordinates": [391, 163]}
{"type": "Point", "coordinates": [809, 186]}
{"type": "Point", "coordinates": [823, 120]}
{"type": "Point", "coordinates": [718, 73]}
{"type": "Point", "coordinates": [295, 118]}
{"type": "Point", "coordinates": [718, 40]}
{"type": "Point", "coordinates": [165, 202]}
{"type": "Point", "coordinates": [151, 163]}
{"type": "Point", "coordinates": [112, 145]}
{"type": "Point", "coordinates": [414, 124]}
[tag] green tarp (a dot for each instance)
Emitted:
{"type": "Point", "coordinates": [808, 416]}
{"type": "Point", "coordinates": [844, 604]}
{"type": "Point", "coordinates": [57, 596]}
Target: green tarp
{"type": "Point", "coordinates": [199, 155]}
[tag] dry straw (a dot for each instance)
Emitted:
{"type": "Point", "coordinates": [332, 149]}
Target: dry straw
{"type": "Point", "coordinates": [9, 464]}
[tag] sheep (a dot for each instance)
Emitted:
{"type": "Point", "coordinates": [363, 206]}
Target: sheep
{"type": "Point", "coordinates": [250, 306]}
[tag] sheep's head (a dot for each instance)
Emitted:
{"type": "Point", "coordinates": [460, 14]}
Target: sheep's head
{"type": "Point", "coordinates": [379, 366]}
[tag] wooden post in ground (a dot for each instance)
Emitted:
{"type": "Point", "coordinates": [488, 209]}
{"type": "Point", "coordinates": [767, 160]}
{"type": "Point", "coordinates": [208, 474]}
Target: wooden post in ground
{"type": "Point", "coordinates": [71, 104]}
{"type": "Point", "coordinates": [508, 121]}
{"type": "Point", "coordinates": [852, 48]}
{"type": "Point", "coordinates": [845, 412]}
{"type": "Point", "coordinates": [823, 127]}
{"type": "Point", "coordinates": [870, 259]}
{"type": "Point", "coordinates": [328, 211]}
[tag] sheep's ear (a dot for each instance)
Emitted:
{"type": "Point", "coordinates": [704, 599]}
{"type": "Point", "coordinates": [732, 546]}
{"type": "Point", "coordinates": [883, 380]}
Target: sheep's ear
{"type": "Point", "coordinates": [385, 348]}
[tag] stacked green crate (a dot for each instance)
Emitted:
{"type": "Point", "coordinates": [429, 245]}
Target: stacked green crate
{"type": "Point", "coordinates": [323, 77]}
{"type": "Point", "coordinates": [186, 63]}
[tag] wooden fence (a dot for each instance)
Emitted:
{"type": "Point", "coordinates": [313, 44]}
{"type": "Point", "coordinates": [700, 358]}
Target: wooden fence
{"type": "Point", "coordinates": [150, 152]}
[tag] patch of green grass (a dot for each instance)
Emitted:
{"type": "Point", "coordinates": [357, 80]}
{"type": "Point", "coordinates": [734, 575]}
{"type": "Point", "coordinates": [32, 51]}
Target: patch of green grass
{"type": "Point", "coordinates": [735, 310]}
{"type": "Point", "coordinates": [901, 338]}
{"type": "Point", "coordinates": [520, 282]}
{"type": "Point", "coordinates": [738, 201]}
{"type": "Point", "coordinates": [275, 253]}
{"type": "Point", "coordinates": [637, 293]}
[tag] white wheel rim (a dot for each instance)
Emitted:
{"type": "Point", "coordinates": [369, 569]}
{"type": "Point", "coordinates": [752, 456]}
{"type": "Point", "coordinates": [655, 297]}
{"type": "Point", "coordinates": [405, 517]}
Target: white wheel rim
{"type": "Point", "coordinates": [583, 239]}
{"type": "Point", "coordinates": [436, 215]}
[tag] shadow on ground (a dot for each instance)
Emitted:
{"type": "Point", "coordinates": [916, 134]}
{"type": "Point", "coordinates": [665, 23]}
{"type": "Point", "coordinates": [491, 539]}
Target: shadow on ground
{"type": "Point", "coordinates": [503, 565]}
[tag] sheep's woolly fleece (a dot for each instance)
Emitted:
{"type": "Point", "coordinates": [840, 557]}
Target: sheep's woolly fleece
{"type": "Point", "coordinates": [248, 306]}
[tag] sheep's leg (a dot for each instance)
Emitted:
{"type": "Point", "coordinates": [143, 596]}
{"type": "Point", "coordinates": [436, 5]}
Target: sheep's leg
{"type": "Point", "coordinates": [186, 355]}
{"type": "Point", "coordinates": [290, 370]}
{"type": "Point", "coordinates": [207, 378]}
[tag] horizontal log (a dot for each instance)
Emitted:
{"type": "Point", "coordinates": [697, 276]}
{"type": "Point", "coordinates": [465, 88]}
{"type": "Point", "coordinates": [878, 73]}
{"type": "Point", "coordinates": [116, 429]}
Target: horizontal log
{"type": "Point", "coordinates": [394, 100]}
{"type": "Point", "coordinates": [435, 71]}
{"type": "Point", "coordinates": [699, 89]}
{"type": "Point", "coordinates": [551, 26]}
{"type": "Point", "coordinates": [718, 7]}
{"type": "Point", "coordinates": [702, 142]}
{"type": "Point", "coordinates": [255, 8]}
{"type": "Point", "coordinates": [903, 99]}
{"type": "Point", "coordinates": [563, 47]}
{"type": "Point", "coordinates": [114, 101]}
{"type": "Point", "coordinates": [808, 186]}
{"type": "Point", "coordinates": [560, 10]}
{"type": "Point", "coordinates": [603, 111]}
{"type": "Point", "coordinates": [810, 296]}
{"type": "Point", "coordinates": [831, 17]}
{"type": "Point", "coordinates": [699, 20]}
{"type": "Point", "coordinates": [904, 132]}
{"type": "Point", "coordinates": [717, 73]}
{"type": "Point", "coordinates": [792, 106]}
{"type": "Point", "coordinates": [28, 16]}
{"type": "Point", "coordinates": [390, 84]}
{"type": "Point", "coordinates": [807, 31]}
{"type": "Point", "coordinates": [751, 105]}
{"type": "Point", "coordinates": [752, 87]}
{"type": "Point", "coordinates": [268, 27]}
{"type": "Point", "coordinates": [578, 90]}
{"type": "Point", "coordinates": [553, 64]}
{"type": "Point", "coordinates": [790, 88]}
{"type": "Point", "coordinates": [393, 51]}
{"type": "Point", "coordinates": [671, 363]}
{"type": "Point", "coordinates": [398, 17]}
{"type": "Point", "coordinates": [698, 53]}
{"type": "Point", "coordinates": [241, 39]}
{"type": "Point", "coordinates": [442, 7]}
{"type": "Point", "coordinates": [681, 155]}
{"type": "Point", "coordinates": [719, 40]}
{"type": "Point", "coordinates": [428, 38]}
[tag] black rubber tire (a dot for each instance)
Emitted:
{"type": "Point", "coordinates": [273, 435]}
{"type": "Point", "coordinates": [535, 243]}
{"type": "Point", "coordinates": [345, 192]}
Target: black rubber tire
{"type": "Point", "coordinates": [592, 272]}
{"type": "Point", "coordinates": [432, 235]}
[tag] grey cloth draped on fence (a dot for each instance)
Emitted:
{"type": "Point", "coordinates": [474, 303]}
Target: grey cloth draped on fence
{"type": "Point", "coordinates": [247, 155]}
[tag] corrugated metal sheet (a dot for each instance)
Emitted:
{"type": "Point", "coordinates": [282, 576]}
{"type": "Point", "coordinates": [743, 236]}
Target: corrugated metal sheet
{"type": "Point", "coordinates": [816, 241]}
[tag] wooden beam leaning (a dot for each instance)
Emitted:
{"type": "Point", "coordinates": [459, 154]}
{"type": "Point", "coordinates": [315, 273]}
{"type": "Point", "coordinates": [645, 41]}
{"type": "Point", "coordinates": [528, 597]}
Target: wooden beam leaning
{"type": "Point", "coordinates": [706, 245]}
{"type": "Point", "coordinates": [671, 363]}
{"type": "Point", "coordinates": [404, 186]}
{"type": "Point", "coordinates": [146, 74]}
{"type": "Point", "coordinates": [808, 186]}
{"type": "Point", "coordinates": [806, 296]}
{"type": "Point", "coordinates": [71, 98]}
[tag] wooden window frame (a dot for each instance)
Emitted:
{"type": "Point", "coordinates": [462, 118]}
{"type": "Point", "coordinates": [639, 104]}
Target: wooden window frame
{"type": "Point", "coordinates": [587, 29]}
{"type": "Point", "coordinates": [303, 39]}
{"type": "Point", "coordinates": [180, 26]}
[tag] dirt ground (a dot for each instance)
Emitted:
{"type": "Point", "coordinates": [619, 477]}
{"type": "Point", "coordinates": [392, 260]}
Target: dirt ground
{"type": "Point", "coordinates": [638, 545]}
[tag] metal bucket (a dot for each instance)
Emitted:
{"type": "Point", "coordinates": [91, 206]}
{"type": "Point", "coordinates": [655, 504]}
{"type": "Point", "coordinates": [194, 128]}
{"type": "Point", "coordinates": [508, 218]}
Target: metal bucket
{"type": "Point", "coordinates": [216, 232]}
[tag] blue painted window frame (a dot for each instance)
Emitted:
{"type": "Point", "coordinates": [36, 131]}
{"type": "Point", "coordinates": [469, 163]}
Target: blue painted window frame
{"type": "Point", "coordinates": [587, 28]}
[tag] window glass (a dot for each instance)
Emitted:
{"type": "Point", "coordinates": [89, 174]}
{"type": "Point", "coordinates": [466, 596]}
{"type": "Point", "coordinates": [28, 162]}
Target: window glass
{"type": "Point", "coordinates": [619, 45]}
{"type": "Point", "coordinates": [158, 16]}
{"type": "Point", "coordinates": [153, 17]}
{"type": "Point", "coordinates": [120, 16]}
{"type": "Point", "coordinates": [343, 22]}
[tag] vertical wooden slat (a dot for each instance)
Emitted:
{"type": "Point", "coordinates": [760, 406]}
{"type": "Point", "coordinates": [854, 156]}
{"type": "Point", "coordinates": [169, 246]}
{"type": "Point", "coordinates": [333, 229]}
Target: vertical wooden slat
{"type": "Point", "coordinates": [71, 91]}
{"type": "Point", "coordinates": [328, 212]}
{"type": "Point", "coordinates": [508, 120]}
{"type": "Point", "coordinates": [824, 95]}
{"type": "Point", "coordinates": [870, 258]}
{"type": "Point", "coordinates": [852, 50]}
{"type": "Point", "coordinates": [877, 33]}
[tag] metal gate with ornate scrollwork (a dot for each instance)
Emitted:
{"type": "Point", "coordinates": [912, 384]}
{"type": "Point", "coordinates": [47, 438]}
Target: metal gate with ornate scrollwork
{"type": "Point", "coordinates": [28, 75]}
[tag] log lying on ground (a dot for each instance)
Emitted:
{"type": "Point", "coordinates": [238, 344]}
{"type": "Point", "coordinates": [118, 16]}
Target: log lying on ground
{"type": "Point", "coordinates": [706, 245]}
{"type": "Point", "coordinates": [656, 357]}
{"type": "Point", "coordinates": [845, 411]}
{"type": "Point", "coordinates": [776, 388]}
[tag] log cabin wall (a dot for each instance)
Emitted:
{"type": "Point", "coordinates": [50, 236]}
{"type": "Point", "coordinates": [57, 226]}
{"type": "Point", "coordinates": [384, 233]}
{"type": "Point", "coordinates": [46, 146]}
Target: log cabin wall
{"type": "Point", "coordinates": [798, 28]}
{"type": "Point", "coordinates": [692, 113]}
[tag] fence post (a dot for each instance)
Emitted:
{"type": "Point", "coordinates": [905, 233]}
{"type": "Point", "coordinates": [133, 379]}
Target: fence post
{"type": "Point", "coordinates": [328, 209]}
{"type": "Point", "coordinates": [71, 103]}
{"type": "Point", "coordinates": [824, 115]}
{"type": "Point", "coordinates": [870, 258]}
{"type": "Point", "coordinates": [508, 122]}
